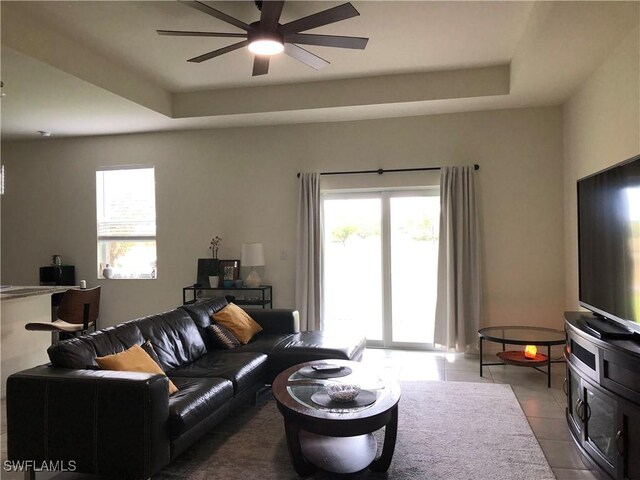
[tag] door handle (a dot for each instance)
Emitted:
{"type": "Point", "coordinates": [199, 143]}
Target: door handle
{"type": "Point", "coordinates": [620, 443]}
{"type": "Point", "coordinates": [578, 409]}
{"type": "Point", "coordinates": [564, 387]}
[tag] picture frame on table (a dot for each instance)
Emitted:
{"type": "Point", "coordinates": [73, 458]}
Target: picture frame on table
{"type": "Point", "coordinates": [229, 270]}
{"type": "Point", "coordinates": [207, 267]}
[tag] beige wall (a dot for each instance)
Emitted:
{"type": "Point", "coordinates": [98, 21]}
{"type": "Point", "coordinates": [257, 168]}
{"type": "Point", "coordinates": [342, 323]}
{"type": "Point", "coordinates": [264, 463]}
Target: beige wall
{"type": "Point", "coordinates": [241, 184]}
{"type": "Point", "coordinates": [601, 128]}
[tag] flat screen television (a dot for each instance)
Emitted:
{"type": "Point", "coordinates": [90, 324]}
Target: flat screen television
{"type": "Point", "coordinates": [609, 243]}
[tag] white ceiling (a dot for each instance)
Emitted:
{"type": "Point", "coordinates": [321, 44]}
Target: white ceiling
{"type": "Point", "coordinates": [404, 36]}
{"type": "Point", "coordinates": [85, 67]}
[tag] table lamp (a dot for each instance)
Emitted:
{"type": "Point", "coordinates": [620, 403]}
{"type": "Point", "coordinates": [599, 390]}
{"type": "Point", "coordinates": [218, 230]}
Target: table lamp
{"type": "Point", "coordinates": [252, 256]}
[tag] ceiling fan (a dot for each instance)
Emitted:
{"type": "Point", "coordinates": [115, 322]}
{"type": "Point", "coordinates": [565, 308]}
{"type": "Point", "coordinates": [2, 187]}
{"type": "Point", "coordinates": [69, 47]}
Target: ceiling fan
{"type": "Point", "coordinates": [267, 37]}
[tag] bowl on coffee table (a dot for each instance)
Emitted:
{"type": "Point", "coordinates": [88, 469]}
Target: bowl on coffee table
{"type": "Point", "coordinates": [343, 392]}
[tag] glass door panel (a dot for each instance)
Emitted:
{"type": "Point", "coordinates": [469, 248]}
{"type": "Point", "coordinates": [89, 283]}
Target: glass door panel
{"type": "Point", "coordinates": [574, 395]}
{"type": "Point", "coordinates": [353, 266]}
{"type": "Point", "coordinates": [600, 429]}
{"type": "Point", "coordinates": [414, 227]}
{"type": "Point", "coordinates": [630, 441]}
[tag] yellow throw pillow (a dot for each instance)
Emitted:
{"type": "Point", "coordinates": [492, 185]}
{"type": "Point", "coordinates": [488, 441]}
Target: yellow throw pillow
{"type": "Point", "coordinates": [134, 359]}
{"type": "Point", "coordinates": [238, 322]}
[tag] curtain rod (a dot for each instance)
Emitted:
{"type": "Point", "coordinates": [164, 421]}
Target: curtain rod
{"type": "Point", "coordinates": [380, 171]}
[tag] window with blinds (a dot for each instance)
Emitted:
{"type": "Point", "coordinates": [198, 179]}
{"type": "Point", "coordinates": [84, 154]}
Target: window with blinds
{"type": "Point", "coordinates": [126, 220]}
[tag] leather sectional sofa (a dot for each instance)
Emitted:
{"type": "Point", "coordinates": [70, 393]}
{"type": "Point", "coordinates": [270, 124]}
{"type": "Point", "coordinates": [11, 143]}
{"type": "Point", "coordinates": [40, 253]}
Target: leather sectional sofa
{"type": "Point", "coordinates": [125, 424]}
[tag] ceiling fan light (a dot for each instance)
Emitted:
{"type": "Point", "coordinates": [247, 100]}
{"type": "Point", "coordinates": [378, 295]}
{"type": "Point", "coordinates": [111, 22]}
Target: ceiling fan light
{"type": "Point", "coordinates": [266, 47]}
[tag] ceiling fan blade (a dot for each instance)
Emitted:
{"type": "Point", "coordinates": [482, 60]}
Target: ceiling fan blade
{"type": "Point", "coordinates": [305, 56]}
{"type": "Point", "coordinates": [217, 53]}
{"type": "Point", "coordinates": [332, 15]}
{"type": "Point", "coordinates": [271, 11]}
{"type": "Point", "coordinates": [203, 7]}
{"type": "Point", "coordinates": [358, 43]}
{"type": "Point", "coordinates": [260, 65]}
{"type": "Point", "coordinates": [180, 33]}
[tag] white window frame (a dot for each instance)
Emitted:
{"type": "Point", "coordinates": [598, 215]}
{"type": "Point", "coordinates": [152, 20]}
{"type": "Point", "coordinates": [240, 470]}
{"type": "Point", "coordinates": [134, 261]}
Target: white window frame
{"type": "Point", "coordinates": [138, 238]}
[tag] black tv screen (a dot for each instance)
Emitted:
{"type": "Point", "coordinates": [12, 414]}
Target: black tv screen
{"type": "Point", "coordinates": [609, 242]}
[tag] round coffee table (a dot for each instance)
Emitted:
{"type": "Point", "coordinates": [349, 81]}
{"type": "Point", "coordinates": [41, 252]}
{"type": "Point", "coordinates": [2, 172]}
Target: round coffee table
{"type": "Point", "coordinates": [323, 424]}
{"type": "Point", "coordinates": [513, 335]}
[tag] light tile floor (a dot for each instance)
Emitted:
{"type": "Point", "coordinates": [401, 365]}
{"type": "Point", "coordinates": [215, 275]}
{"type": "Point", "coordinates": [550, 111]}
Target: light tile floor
{"type": "Point", "coordinates": [544, 407]}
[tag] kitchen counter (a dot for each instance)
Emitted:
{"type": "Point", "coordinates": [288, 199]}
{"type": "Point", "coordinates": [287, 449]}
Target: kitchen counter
{"type": "Point", "coordinates": [21, 349]}
{"type": "Point", "coordinates": [12, 291]}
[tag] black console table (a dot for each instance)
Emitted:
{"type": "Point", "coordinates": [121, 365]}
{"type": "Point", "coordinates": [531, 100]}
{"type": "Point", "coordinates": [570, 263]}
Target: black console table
{"type": "Point", "coordinates": [603, 397]}
{"type": "Point", "coordinates": [262, 296]}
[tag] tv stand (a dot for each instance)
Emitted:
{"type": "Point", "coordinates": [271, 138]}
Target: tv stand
{"type": "Point", "coordinates": [603, 395]}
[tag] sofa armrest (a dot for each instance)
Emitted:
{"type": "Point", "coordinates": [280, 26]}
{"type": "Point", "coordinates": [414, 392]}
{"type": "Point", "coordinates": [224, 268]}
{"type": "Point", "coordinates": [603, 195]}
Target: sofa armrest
{"type": "Point", "coordinates": [276, 320]}
{"type": "Point", "coordinates": [105, 422]}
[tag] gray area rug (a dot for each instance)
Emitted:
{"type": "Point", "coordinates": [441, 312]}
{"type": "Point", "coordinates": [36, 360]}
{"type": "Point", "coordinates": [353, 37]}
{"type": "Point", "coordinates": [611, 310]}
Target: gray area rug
{"type": "Point", "coordinates": [446, 430]}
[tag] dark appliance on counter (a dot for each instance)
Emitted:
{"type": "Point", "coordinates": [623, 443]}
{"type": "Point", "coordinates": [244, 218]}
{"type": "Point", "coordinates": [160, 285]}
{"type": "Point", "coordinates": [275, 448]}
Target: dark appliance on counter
{"type": "Point", "coordinates": [54, 275]}
{"type": "Point", "coordinates": [58, 275]}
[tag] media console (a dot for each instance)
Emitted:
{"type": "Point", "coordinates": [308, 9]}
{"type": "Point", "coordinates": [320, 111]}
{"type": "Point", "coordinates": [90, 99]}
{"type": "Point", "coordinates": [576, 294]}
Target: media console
{"type": "Point", "coordinates": [603, 396]}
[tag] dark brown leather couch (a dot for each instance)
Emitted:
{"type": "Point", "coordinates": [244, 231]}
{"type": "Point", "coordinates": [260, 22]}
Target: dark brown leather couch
{"type": "Point", "coordinates": [125, 424]}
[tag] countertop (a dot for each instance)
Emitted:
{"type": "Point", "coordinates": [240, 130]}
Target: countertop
{"type": "Point", "coordinates": [15, 291]}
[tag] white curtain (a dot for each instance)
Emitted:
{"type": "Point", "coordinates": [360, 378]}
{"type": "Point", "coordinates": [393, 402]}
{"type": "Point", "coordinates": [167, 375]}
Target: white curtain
{"type": "Point", "coordinates": [309, 253]}
{"type": "Point", "coordinates": [458, 300]}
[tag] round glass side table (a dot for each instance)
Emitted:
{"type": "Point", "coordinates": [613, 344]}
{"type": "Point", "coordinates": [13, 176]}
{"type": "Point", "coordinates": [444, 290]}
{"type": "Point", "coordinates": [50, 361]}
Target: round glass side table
{"type": "Point", "coordinates": [518, 335]}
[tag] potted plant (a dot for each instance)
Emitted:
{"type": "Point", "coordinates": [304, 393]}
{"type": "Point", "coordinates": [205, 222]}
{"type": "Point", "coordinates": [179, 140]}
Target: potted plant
{"type": "Point", "coordinates": [209, 267]}
{"type": "Point", "coordinates": [214, 245]}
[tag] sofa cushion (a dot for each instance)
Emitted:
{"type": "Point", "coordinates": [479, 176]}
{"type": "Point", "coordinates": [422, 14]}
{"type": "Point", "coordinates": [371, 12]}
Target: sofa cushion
{"type": "Point", "coordinates": [309, 346]}
{"type": "Point", "coordinates": [147, 347]}
{"type": "Point", "coordinates": [262, 343]}
{"type": "Point", "coordinates": [272, 321]}
{"type": "Point", "coordinates": [239, 323]}
{"type": "Point", "coordinates": [195, 401]}
{"type": "Point", "coordinates": [222, 337]}
{"type": "Point", "coordinates": [81, 352]}
{"type": "Point", "coordinates": [275, 320]}
{"type": "Point", "coordinates": [201, 312]}
{"type": "Point", "coordinates": [134, 359]}
{"type": "Point", "coordinates": [243, 369]}
{"type": "Point", "coordinates": [174, 337]}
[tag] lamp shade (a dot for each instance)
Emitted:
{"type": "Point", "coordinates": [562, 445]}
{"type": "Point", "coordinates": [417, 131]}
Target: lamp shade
{"type": "Point", "coordinates": [252, 255]}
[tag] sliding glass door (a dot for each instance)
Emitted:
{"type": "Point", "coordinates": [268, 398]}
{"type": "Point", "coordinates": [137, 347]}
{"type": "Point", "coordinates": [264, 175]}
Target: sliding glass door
{"type": "Point", "coordinates": [380, 265]}
{"type": "Point", "coordinates": [414, 222]}
{"type": "Point", "coordinates": [353, 265]}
